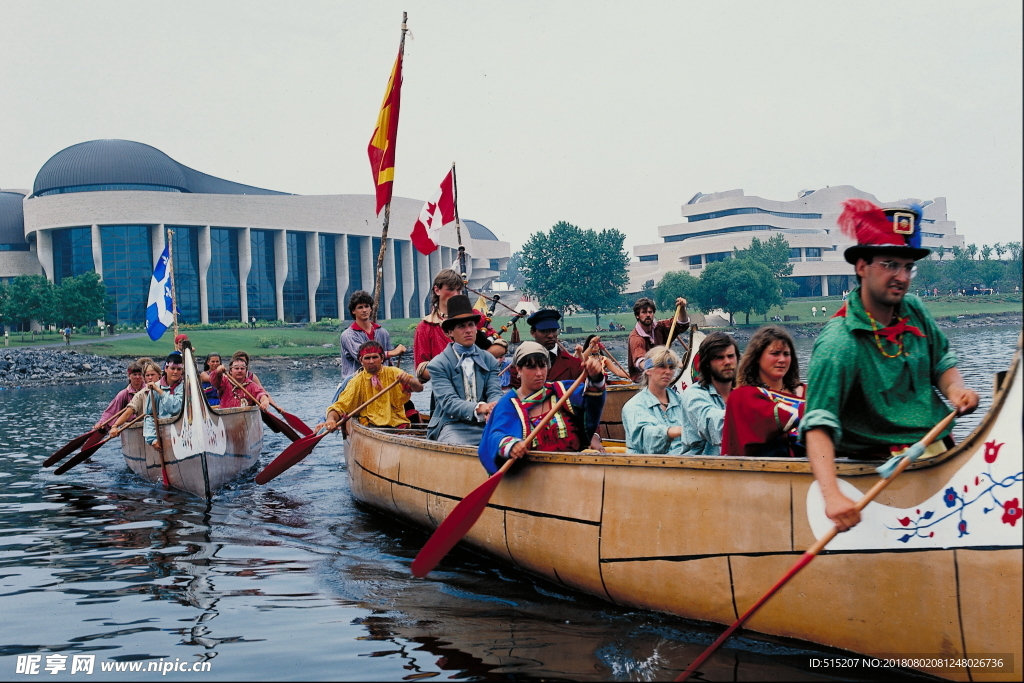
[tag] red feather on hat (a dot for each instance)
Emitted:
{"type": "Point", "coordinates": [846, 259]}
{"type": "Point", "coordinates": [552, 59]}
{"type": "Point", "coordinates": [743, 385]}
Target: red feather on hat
{"type": "Point", "coordinates": [866, 223]}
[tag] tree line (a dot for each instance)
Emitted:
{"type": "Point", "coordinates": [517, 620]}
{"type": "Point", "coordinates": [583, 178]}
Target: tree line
{"type": "Point", "coordinates": [75, 302]}
{"type": "Point", "coordinates": [969, 267]}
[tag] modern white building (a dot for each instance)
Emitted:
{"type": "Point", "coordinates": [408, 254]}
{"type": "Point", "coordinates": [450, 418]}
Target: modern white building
{"type": "Point", "coordinates": [239, 251]}
{"type": "Point", "coordinates": [715, 224]}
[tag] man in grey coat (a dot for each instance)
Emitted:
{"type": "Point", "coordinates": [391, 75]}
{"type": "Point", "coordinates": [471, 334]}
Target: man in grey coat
{"type": "Point", "coordinates": [463, 378]}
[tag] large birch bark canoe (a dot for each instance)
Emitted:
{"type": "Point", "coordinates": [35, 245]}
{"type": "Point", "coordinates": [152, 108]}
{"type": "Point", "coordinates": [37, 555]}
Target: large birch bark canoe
{"type": "Point", "coordinates": [204, 447]}
{"type": "Point", "coordinates": [933, 569]}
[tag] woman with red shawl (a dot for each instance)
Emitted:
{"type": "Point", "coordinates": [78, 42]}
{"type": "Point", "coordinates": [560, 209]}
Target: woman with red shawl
{"type": "Point", "coordinates": [762, 414]}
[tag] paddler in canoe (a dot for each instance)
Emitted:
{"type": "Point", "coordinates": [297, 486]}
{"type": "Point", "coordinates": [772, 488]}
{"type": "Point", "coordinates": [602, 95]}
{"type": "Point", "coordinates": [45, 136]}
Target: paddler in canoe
{"type": "Point", "coordinates": [877, 363]}
{"type": "Point", "coordinates": [168, 392]}
{"type": "Point", "coordinates": [649, 333]}
{"type": "Point", "coordinates": [381, 390]}
{"type": "Point", "coordinates": [520, 410]}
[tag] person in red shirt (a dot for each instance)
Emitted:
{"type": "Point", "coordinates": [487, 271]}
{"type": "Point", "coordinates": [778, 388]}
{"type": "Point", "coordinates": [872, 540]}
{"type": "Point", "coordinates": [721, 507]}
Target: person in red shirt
{"type": "Point", "coordinates": [234, 394]}
{"type": "Point", "coordinates": [649, 333]}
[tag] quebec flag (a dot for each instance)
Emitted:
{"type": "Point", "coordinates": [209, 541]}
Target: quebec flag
{"type": "Point", "coordinates": [158, 312]}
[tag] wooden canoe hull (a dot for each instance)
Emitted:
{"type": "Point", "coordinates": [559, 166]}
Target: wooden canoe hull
{"type": "Point", "coordinates": [704, 537]}
{"type": "Point", "coordinates": [204, 448]}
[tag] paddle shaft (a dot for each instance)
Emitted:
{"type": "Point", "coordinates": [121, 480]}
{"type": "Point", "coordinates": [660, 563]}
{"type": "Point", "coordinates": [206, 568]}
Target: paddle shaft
{"type": "Point", "coordinates": [367, 402]}
{"type": "Point", "coordinates": [608, 353]}
{"type": "Point", "coordinates": [672, 330]}
{"type": "Point", "coordinates": [88, 451]}
{"type": "Point", "coordinates": [551, 413]}
{"type": "Point", "coordinates": [813, 551]}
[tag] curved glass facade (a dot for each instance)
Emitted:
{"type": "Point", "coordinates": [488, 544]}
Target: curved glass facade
{"type": "Point", "coordinates": [355, 272]}
{"type": "Point", "coordinates": [222, 281]}
{"type": "Point", "coordinates": [108, 187]}
{"type": "Point", "coordinates": [738, 228]}
{"type": "Point", "coordinates": [127, 271]}
{"type": "Point", "coordinates": [72, 253]}
{"type": "Point", "coordinates": [261, 284]}
{"type": "Point", "coordinates": [745, 210]}
{"type": "Point", "coordinates": [327, 290]}
{"type": "Point", "coordinates": [296, 285]}
{"type": "Point", "coordinates": [414, 306]}
{"type": "Point", "coordinates": [398, 299]}
{"type": "Point", "coordinates": [185, 243]}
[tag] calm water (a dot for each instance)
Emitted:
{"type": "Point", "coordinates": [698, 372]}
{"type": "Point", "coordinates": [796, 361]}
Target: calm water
{"type": "Point", "coordinates": [293, 581]}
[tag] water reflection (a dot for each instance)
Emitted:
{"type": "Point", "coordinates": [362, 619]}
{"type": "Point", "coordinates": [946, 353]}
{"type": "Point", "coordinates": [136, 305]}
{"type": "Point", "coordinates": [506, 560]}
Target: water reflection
{"type": "Point", "coordinates": [294, 580]}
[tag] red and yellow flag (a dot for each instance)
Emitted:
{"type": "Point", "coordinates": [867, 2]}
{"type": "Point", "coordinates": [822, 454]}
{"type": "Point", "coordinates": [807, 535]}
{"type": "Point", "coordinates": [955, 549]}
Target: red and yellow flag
{"type": "Point", "coordinates": [385, 136]}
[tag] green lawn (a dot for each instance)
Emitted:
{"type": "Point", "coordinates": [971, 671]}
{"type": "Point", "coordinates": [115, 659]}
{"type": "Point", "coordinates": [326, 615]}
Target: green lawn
{"type": "Point", "coordinates": [47, 338]}
{"type": "Point", "coordinates": [292, 341]}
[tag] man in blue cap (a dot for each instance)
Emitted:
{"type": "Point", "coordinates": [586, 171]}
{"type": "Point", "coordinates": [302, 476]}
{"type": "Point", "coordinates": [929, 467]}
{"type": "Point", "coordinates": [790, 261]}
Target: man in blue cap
{"type": "Point", "coordinates": [544, 328]}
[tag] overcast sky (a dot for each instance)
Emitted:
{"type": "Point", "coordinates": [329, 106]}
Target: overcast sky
{"type": "Point", "coordinates": [588, 112]}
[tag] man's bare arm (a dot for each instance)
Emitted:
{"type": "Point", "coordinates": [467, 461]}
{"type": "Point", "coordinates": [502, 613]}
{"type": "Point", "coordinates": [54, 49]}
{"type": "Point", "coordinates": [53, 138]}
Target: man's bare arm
{"type": "Point", "coordinates": [822, 454]}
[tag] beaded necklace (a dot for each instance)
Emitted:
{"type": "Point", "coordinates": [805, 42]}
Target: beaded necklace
{"type": "Point", "coordinates": [878, 342]}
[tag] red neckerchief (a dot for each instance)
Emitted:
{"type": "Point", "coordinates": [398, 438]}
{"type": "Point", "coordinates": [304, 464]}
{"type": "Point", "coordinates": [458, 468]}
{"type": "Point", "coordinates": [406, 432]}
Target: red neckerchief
{"type": "Point", "coordinates": [373, 329]}
{"type": "Point", "coordinates": [896, 329]}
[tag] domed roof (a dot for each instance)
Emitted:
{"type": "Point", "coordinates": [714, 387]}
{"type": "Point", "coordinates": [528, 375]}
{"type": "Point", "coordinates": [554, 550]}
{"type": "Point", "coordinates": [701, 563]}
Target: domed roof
{"type": "Point", "coordinates": [12, 218]}
{"type": "Point", "coordinates": [123, 162]}
{"type": "Point", "coordinates": [479, 232]}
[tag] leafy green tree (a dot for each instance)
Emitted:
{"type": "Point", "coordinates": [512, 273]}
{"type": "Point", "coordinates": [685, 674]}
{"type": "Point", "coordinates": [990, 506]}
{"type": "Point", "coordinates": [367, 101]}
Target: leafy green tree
{"type": "Point", "coordinates": [958, 251]}
{"type": "Point", "coordinates": [962, 271]}
{"type": "Point", "coordinates": [675, 284]}
{"type": "Point", "coordinates": [774, 253]}
{"type": "Point", "coordinates": [80, 300]}
{"type": "Point", "coordinates": [569, 266]}
{"type": "Point", "coordinates": [1014, 249]}
{"type": "Point", "coordinates": [972, 251]}
{"type": "Point", "coordinates": [941, 251]}
{"type": "Point", "coordinates": [739, 285]}
{"type": "Point", "coordinates": [999, 249]}
{"type": "Point", "coordinates": [512, 275]}
{"type": "Point", "coordinates": [31, 298]}
{"type": "Point", "coordinates": [5, 298]}
{"type": "Point", "coordinates": [986, 252]}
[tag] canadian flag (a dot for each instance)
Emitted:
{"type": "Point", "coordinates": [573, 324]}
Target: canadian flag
{"type": "Point", "coordinates": [438, 211]}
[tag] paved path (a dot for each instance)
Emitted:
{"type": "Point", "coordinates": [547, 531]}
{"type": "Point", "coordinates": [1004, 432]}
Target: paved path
{"type": "Point", "coordinates": [82, 342]}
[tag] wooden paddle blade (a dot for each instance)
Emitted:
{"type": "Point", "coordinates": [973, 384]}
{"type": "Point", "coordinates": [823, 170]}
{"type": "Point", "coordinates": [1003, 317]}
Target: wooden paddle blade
{"type": "Point", "coordinates": [86, 453]}
{"type": "Point", "coordinates": [278, 425]}
{"type": "Point", "coordinates": [68, 448]}
{"type": "Point", "coordinates": [289, 456]}
{"type": "Point", "coordinates": [296, 422]}
{"type": "Point", "coordinates": [455, 526]}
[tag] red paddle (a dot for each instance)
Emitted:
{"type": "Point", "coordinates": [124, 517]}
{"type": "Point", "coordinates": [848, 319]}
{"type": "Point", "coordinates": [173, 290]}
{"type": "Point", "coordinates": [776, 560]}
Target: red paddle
{"type": "Point", "coordinates": [304, 446]}
{"type": "Point", "coordinates": [273, 421]}
{"type": "Point", "coordinates": [296, 422]}
{"type": "Point", "coordinates": [89, 438]}
{"type": "Point", "coordinates": [813, 551]}
{"type": "Point", "coordinates": [464, 515]}
{"type": "Point", "coordinates": [88, 451]}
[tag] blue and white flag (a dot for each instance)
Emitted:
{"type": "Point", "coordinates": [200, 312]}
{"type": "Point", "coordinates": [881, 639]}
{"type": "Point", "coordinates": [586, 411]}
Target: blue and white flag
{"type": "Point", "coordinates": [159, 314]}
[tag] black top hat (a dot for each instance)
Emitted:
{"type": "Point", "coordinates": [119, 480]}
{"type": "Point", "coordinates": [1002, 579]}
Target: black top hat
{"type": "Point", "coordinates": [895, 230]}
{"type": "Point", "coordinates": [459, 310]}
{"type": "Point", "coordinates": [544, 319]}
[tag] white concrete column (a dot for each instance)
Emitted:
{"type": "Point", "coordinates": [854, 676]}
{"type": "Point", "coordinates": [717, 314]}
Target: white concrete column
{"type": "Point", "coordinates": [244, 266]}
{"type": "Point", "coordinates": [205, 257]}
{"type": "Point", "coordinates": [425, 280]}
{"type": "Point", "coordinates": [312, 270]}
{"type": "Point", "coordinates": [368, 262]}
{"type": "Point", "coordinates": [388, 288]}
{"type": "Point", "coordinates": [97, 251]}
{"type": "Point", "coordinates": [159, 238]}
{"type": "Point", "coordinates": [824, 285]}
{"type": "Point", "coordinates": [341, 272]}
{"type": "Point", "coordinates": [280, 269]}
{"type": "Point", "coordinates": [44, 252]}
{"type": "Point", "coordinates": [408, 275]}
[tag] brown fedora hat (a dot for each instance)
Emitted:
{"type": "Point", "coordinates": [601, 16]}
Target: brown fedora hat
{"type": "Point", "coordinates": [459, 310]}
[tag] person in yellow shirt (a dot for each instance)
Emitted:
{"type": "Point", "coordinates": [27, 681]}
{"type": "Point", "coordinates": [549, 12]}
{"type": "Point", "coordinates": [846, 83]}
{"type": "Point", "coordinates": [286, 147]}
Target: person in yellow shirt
{"type": "Point", "coordinates": [386, 411]}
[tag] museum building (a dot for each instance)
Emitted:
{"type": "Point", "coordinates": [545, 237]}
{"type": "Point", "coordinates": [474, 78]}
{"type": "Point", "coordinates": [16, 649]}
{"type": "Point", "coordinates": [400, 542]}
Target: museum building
{"type": "Point", "coordinates": [715, 224]}
{"type": "Point", "coordinates": [239, 251]}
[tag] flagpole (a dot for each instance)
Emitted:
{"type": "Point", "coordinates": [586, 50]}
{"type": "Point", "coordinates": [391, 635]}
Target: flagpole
{"type": "Point", "coordinates": [170, 266]}
{"type": "Point", "coordinates": [458, 227]}
{"type": "Point", "coordinates": [379, 275]}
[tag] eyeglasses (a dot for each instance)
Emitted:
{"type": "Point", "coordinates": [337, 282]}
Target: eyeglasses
{"type": "Point", "coordinates": [892, 267]}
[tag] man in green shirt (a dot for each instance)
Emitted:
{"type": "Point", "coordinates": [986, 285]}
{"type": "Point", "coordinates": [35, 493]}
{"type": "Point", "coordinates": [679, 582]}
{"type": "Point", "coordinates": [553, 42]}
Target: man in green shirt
{"type": "Point", "coordinates": [876, 364]}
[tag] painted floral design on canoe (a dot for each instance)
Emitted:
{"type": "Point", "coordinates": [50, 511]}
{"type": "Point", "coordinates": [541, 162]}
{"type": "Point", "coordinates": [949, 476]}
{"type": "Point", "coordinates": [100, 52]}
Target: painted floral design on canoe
{"type": "Point", "coordinates": [964, 504]}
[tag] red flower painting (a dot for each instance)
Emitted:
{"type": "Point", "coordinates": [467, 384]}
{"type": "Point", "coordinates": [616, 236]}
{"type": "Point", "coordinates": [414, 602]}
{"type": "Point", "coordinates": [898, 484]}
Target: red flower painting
{"type": "Point", "coordinates": [992, 451]}
{"type": "Point", "coordinates": [1011, 512]}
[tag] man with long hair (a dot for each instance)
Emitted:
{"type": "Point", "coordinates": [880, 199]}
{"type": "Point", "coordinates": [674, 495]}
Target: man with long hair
{"type": "Point", "coordinates": [704, 401]}
{"type": "Point", "coordinates": [649, 333]}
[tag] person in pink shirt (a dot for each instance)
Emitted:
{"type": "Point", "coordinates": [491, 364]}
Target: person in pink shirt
{"type": "Point", "coordinates": [233, 394]}
{"type": "Point", "coordinates": [124, 397]}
